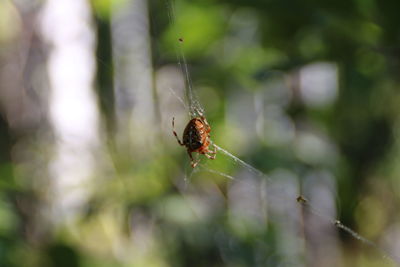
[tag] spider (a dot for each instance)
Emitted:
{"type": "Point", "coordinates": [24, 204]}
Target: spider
{"type": "Point", "coordinates": [196, 138]}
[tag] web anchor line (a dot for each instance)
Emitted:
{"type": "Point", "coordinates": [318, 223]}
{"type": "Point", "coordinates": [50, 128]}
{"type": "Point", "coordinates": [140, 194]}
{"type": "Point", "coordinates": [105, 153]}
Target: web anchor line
{"type": "Point", "coordinates": [304, 202]}
{"type": "Point", "coordinates": [385, 254]}
{"type": "Point", "coordinates": [196, 110]}
{"type": "Point", "coordinates": [241, 162]}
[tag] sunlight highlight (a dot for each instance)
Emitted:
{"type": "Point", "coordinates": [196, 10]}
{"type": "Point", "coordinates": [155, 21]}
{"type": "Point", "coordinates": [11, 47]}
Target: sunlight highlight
{"type": "Point", "coordinates": [72, 105]}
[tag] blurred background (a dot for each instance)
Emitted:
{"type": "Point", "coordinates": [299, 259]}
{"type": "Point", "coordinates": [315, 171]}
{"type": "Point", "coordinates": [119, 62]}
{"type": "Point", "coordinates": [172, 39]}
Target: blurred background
{"type": "Point", "coordinates": [305, 91]}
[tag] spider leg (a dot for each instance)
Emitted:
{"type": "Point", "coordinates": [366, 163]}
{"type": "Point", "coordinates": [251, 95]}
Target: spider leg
{"type": "Point", "coordinates": [214, 151]}
{"type": "Point", "coordinates": [173, 130]}
{"type": "Point", "coordinates": [192, 162]}
{"type": "Point", "coordinates": [209, 156]}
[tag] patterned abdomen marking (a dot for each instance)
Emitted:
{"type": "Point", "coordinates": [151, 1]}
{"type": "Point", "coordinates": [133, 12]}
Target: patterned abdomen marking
{"type": "Point", "coordinates": [192, 135]}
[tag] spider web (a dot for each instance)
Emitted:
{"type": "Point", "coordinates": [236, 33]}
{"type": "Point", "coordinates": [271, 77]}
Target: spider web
{"type": "Point", "coordinates": [196, 109]}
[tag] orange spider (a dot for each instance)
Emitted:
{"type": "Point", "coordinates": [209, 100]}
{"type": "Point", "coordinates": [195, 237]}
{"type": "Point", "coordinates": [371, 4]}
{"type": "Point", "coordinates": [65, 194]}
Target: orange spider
{"type": "Point", "coordinates": [196, 138]}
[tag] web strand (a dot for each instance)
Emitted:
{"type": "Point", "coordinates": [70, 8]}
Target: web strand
{"type": "Point", "coordinates": [217, 172]}
{"type": "Point", "coordinates": [196, 110]}
{"type": "Point", "coordinates": [241, 162]}
{"type": "Point", "coordinates": [385, 254]}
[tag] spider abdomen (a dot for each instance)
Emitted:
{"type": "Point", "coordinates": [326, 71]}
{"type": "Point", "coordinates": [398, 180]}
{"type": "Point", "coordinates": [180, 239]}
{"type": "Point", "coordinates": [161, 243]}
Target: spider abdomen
{"type": "Point", "coordinates": [196, 138]}
{"type": "Point", "coordinates": [194, 134]}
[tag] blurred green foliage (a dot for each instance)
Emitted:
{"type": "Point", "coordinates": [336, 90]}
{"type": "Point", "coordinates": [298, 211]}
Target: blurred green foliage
{"type": "Point", "coordinates": [232, 47]}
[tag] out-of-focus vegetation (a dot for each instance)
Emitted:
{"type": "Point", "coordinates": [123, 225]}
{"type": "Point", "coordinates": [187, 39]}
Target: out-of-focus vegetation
{"type": "Point", "coordinates": [305, 91]}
